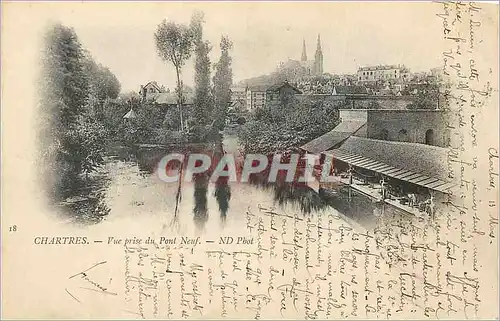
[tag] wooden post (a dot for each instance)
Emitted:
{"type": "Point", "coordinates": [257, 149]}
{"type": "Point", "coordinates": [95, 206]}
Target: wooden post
{"type": "Point", "coordinates": [382, 187]}
{"type": "Point", "coordinates": [350, 182]}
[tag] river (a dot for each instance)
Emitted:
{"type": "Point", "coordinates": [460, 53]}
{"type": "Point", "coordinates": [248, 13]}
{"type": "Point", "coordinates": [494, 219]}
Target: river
{"type": "Point", "coordinates": [126, 190]}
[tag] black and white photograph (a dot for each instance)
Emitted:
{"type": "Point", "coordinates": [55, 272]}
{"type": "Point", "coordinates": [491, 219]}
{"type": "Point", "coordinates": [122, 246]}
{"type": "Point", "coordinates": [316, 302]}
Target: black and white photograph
{"type": "Point", "coordinates": [250, 160]}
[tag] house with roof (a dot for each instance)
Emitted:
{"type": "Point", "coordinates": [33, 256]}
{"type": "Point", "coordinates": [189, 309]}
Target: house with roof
{"type": "Point", "coordinates": [158, 95]}
{"type": "Point", "coordinates": [150, 89]}
{"type": "Point", "coordinates": [259, 96]}
{"type": "Point", "coordinates": [280, 92]}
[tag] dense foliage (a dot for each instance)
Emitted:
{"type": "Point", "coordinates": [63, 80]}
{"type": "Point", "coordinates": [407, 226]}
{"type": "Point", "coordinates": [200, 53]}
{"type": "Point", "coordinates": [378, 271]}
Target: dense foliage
{"type": "Point", "coordinates": [73, 91]}
{"type": "Point", "coordinates": [283, 126]}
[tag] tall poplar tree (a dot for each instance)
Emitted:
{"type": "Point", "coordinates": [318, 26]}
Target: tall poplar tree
{"type": "Point", "coordinates": [223, 80]}
{"type": "Point", "coordinates": [203, 101]}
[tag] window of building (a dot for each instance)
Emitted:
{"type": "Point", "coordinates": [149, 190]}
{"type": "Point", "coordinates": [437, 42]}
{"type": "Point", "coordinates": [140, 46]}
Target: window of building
{"type": "Point", "coordinates": [151, 90]}
{"type": "Point", "coordinates": [429, 137]}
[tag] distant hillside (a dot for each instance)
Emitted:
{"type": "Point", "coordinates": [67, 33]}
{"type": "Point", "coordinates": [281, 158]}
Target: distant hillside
{"type": "Point", "coordinates": [291, 72]}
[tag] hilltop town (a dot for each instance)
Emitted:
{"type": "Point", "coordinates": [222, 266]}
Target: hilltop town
{"type": "Point", "coordinates": [373, 86]}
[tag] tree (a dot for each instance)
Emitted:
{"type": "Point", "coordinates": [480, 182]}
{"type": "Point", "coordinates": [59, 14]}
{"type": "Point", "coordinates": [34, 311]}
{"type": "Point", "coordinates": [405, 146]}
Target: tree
{"type": "Point", "coordinates": [203, 102]}
{"type": "Point", "coordinates": [65, 83]}
{"type": "Point", "coordinates": [63, 96]}
{"type": "Point", "coordinates": [105, 83]}
{"type": "Point", "coordinates": [223, 79]}
{"type": "Point", "coordinates": [73, 139]}
{"type": "Point", "coordinates": [174, 44]}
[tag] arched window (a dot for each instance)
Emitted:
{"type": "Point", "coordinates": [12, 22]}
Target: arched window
{"type": "Point", "coordinates": [429, 137]}
{"type": "Point", "coordinates": [403, 135]}
{"type": "Point", "coordinates": [384, 134]}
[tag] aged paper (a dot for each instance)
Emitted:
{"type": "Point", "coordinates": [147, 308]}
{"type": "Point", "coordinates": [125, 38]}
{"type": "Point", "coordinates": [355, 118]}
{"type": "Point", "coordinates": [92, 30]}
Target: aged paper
{"type": "Point", "coordinates": [94, 226]}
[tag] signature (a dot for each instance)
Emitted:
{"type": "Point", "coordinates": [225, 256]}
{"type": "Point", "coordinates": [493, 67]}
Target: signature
{"type": "Point", "coordinates": [91, 284]}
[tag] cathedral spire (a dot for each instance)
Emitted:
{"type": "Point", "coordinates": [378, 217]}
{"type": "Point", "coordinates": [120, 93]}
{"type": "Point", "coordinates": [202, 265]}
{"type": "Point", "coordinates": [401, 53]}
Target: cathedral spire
{"type": "Point", "coordinates": [318, 46]}
{"type": "Point", "coordinates": [318, 59]}
{"type": "Point", "coordinates": [304, 53]}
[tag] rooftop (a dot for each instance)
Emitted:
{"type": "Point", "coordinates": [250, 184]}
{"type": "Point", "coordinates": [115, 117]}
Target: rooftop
{"type": "Point", "coordinates": [280, 85]}
{"type": "Point", "coordinates": [383, 67]}
{"type": "Point", "coordinates": [426, 159]}
{"type": "Point", "coordinates": [329, 140]}
{"type": "Point", "coordinates": [272, 87]}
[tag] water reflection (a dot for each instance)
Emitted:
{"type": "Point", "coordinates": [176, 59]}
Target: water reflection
{"type": "Point", "coordinates": [223, 195]}
{"type": "Point", "coordinates": [286, 193]}
{"type": "Point", "coordinates": [353, 204]}
{"type": "Point", "coordinates": [343, 198]}
{"type": "Point", "coordinates": [89, 204]}
{"type": "Point", "coordinates": [200, 210]}
{"type": "Point", "coordinates": [86, 202]}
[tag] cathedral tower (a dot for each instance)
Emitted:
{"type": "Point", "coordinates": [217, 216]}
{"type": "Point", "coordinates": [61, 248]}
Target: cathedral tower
{"type": "Point", "coordinates": [318, 59]}
{"type": "Point", "coordinates": [304, 53]}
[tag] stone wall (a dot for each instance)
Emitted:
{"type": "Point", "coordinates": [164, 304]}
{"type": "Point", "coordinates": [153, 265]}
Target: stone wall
{"type": "Point", "coordinates": [419, 126]}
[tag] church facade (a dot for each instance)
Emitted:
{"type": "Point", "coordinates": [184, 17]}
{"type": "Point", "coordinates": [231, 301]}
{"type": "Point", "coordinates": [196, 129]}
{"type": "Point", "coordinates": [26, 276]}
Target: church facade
{"type": "Point", "coordinates": [313, 67]}
{"type": "Point", "coordinates": [295, 70]}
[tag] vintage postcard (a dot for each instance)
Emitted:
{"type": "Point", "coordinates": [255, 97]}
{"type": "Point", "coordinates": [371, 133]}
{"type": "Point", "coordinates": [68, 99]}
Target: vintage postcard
{"type": "Point", "coordinates": [249, 160]}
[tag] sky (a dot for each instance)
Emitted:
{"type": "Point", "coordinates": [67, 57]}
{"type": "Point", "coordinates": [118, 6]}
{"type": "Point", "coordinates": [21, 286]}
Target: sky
{"type": "Point", "coordinates": [121, 35]}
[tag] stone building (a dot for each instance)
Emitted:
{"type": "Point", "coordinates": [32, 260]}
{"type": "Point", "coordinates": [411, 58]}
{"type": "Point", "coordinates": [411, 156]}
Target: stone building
{"type": "Point", "coordinates": [381, 73]}
{"type": "Point", "coordinates": [407, 146]}
{"type": "Point", "coordinates": [411, 126]}
{"type": "Point", "coordinates": [259, 96]}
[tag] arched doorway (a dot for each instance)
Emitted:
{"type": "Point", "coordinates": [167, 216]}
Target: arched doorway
{"type": "Point", "coordinates": [429, 137]}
